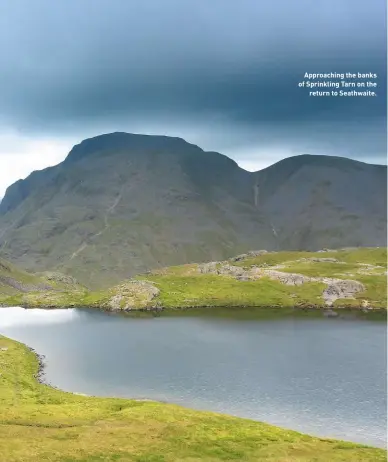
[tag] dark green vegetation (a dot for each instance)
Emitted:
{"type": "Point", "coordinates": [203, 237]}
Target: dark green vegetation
{"type": "Point", "coordinates": [122, 204]}
{"type": "Point", "coordinates": [39, 423]}
{"type": "Point", "coordinates": [353, 278]}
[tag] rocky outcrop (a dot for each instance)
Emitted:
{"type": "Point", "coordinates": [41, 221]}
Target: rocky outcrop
{"type": "Point", "coordinates": [336, 288]}
{"type": "Point", "coordinates": [290, 279]}
{"type": "Point", "coordinates": [322, 260]}
{"type": "Point", "coordinates": [251, 254]}
{"type": "Point", "coordinates": [133, 294]}
{"type": "Point", "coordinates": [59, 277]}
{"type": "Point", "coordinates": [234, 271]}
{"type": "Point", "coordinates": [224, 269]}
{"type": "Point", "coordinates": [206, 268]}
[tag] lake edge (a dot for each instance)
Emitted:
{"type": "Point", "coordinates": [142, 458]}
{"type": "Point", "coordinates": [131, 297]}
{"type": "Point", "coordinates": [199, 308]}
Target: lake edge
{"type": "Point", "coordinates": [40, 379]}
{"type": "Point", "coordinates": [259, 312]}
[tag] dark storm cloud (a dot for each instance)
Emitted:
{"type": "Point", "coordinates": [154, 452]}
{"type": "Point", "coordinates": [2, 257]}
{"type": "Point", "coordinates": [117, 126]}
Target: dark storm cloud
{"type": "Point", "coordinates": [68, 66]}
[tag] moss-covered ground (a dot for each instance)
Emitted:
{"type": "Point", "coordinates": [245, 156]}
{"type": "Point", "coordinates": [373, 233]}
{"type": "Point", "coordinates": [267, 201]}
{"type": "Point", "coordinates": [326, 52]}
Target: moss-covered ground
{"type": "Point", "coordinates": [39, 423]}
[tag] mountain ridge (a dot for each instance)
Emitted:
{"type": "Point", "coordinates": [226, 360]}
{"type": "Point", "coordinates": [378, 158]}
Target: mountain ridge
{"type": "Point", "coordinates": [120, 204]}
{"type": "Point", "coordinates": [89, 142]}
{"type": "Point", "coordinates": [72, 156]}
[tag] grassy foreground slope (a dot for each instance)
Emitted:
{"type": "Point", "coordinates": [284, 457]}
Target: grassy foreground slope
{"type": "Point", "coordinates": [39, 423]}
{"type": "Point", "coordinates": [348, 278]}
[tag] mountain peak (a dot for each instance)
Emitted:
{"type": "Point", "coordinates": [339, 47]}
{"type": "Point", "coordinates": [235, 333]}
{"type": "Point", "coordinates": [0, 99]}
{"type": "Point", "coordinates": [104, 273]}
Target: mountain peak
{"type": "Point", "coordinates": [117, 141]}
{"type": "Point", "coordinates": [318, 160]}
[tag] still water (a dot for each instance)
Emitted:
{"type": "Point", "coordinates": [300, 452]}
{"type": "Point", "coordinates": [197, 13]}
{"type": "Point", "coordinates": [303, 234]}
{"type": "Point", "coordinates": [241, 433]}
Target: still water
{"type": "Point", "coordinates": [320, 376]}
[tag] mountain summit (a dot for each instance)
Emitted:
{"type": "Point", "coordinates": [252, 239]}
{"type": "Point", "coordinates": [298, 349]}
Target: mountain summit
{"type": "Point", "coordinates": [121, 204]}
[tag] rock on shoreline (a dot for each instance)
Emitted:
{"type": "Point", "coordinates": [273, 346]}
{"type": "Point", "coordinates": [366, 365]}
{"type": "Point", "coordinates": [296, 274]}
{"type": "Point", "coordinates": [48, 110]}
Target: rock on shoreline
{"type": "Point", "coordinates": [40, 374]}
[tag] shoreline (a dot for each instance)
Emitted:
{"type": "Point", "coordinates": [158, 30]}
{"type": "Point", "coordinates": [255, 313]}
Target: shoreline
{"type": "Point", "coordinates": [85, 419]}
{"type": "Point", "coordinates": [326, 311]}
{"type": "Point", "coordinates": [41, 379]}
{"type": "Point", "coordinates": [40, 375]}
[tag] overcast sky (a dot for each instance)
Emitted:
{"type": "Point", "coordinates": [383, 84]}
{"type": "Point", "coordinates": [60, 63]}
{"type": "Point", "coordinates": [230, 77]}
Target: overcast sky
{"type": "Point", "coordinates": [222, 74]}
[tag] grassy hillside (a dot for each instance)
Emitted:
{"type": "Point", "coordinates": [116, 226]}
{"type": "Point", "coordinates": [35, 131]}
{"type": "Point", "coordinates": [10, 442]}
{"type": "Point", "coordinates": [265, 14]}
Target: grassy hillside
{"type": "Point", "coordinates": [13, 280]}
{"type": "Point", "coordinates": [39, 423]}
{"type": "Point", "coordinates": [353, 278]}
{"type": "Point", "coordinates": [16, 283]}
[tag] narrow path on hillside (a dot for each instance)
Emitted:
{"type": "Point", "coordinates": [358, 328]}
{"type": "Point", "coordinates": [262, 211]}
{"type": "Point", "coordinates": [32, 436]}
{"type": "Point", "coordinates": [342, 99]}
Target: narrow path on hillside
{"type": "Point", "coordinates": [109, 210]}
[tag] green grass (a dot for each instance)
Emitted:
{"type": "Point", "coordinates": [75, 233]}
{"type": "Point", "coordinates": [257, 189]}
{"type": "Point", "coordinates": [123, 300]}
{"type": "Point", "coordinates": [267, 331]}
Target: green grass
{"type": "Point", "coordinates": [350, 267]}
{"type": "Point", "coordinates": [376, 290]}
{"type": "Point", "coordinates": [7, 270]}
{"type": "Point", "coordinates": [276, 258]}
{"type": "Point", "coordinates": [178, 291]}
{"type": "Point", "coordinates": [13, 280]}
{"type": "Point", "coordinates": [373, 256]}
{"type": "Point", "coordinates": [39, 423]}
{"type": "Point", "coordinates": [184, 286]}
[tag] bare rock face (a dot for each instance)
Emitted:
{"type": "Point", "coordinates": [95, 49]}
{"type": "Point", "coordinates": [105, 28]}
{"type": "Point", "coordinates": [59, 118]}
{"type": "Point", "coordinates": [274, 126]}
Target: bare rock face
{"type": "Point", "coordinates": [225, 269]}
{"type": "Point", "coordinates": [338, 289]}
{"type": "Point", "coordinates": [132, 294]}
{"type": "Point", "coordinates": [208, 268]}
{"type": "Point", "coordinates": [250, 254]}
{"type": "Point", "coordinates": [59, 277]}
{"type": "Point", "coordinates": [366, 306]}
{"type": "Point", "coordinates": [234, 271]}
{"type": "Point", "coordinates": [290, 279]}
{"type": "Point", "coordinates": [324, 260]}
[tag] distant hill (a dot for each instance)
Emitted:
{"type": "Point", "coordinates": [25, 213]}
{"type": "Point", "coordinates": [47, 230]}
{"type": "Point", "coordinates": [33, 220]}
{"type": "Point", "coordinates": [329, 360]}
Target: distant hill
{"type": "Point", "coordinates": [323, 201]}
{"type": "Point", "coordinates": [121, 204]}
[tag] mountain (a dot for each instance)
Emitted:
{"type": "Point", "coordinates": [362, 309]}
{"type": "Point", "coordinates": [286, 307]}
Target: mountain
{"type": "Point", "coordinates": [319, 201]}
{"type": "Point", "coordinates": [121, 204]}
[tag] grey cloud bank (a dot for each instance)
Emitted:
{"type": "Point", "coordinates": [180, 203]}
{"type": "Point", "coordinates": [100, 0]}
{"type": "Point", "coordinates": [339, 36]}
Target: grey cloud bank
{"type": "Point", "coordinates": [205, 68]}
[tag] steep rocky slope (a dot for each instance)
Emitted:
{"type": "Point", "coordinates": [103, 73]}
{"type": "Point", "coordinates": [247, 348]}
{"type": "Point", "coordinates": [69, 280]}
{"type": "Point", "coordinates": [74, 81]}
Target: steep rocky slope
{"type": "Point", "coordinates": [318, 201]}
{"type": "Point", "coordinates": [121, 204]}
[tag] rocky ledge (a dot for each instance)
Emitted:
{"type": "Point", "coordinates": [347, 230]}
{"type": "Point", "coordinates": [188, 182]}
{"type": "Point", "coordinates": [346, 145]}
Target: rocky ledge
{"type": "Point", "coordinates": [132, 293]}
{"type": "Point", "coordinates": [336, 288]}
